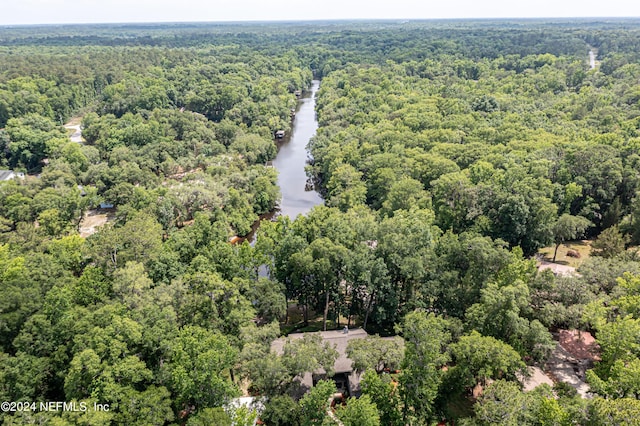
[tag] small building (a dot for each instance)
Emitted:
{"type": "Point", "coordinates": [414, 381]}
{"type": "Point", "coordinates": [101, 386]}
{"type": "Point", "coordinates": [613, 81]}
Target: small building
{"type": "Point", "coordinates": [10, 174]}
{"type": "Point", "coordinates": [280, 134]}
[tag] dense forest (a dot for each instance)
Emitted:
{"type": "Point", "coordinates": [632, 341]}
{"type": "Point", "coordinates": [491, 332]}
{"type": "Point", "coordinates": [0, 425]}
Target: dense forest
{"type": "Point", "coordinates": [450, 155]}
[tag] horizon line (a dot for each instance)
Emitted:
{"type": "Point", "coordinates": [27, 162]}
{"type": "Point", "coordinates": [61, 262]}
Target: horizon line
{"type": "Point", "coordinates": [320, 20]}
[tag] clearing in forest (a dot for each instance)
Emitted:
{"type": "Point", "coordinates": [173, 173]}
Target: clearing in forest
{"type": "Point", "coordinates": [92, 220]}
{"type": "Point", "coordinates": [571, 253]}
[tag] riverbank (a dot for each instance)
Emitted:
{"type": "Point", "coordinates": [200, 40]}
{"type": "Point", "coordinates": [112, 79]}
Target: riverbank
{"type": "Point", "coordinates": [293, 156]}
{"type": "Point", "coordinates": [297, 195]}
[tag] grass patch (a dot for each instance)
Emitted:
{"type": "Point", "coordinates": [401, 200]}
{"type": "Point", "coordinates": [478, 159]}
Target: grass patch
{"type": "Point", "coordinates": [295, 323]}
{"type": "Point", "coordinates": [74, 121]}
{"type": "Point", "coordinates": [583, 247]}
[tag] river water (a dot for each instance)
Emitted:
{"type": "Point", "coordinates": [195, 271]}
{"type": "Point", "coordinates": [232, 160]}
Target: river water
{"type": "Point", "coordinates": [592, 59]}
{"type": "Point", "coordinates": [290, 162]}
{"type": "Point", "coordinates": [292, 157]}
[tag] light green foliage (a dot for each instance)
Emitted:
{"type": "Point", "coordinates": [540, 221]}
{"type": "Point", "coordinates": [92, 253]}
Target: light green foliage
{"type": "Point", "coordinates": [137, 240]}
{"type": "Point", "coordinates": [239, 212]}
{"type": "Point", "coordinates": [405, 243]}
{"type": "Point", "coordinates": [425, 337]}
{"type": "Point", "coordinates": [207, 300]}
{"type": "Point", "coordinates": [620, 349]}
{"type": "Point", "coordinates": [316, 274]}
{"type": "Point", "coordinates": [315, 403]}
{"type": "Point", "coordinates": [346, 188]}
{"type": "Point", "coordinates": [464, 264]}
{"type": "Point", "coordinates": [455, 201]}
{"type": "Point", "coordinates": [309, 353]}
{"type": "Point", "coordinates": [478, 358]}
{"type": "Point", "coordinates": [254, 148]}
{"type": "Point", "coordinates": [84, 368]}
{"type": "Point", "coordinates": [614, 412]}
{"type": "Point", "coordinates": [548, 408]}
{"type": "Point", "coordinates": [32, 138]}
{"type": "Point", "coordinates": [264, 369]}
{"type": "Point", "coordinates": [210, 416]}
{"type": "Point", "coordinates": [623, 380]}
{"type": "Point", "coordinates": [376, 353]}
{"type": "Point", "coordinates": [617, 375]}
{"type": "Point", "coordinates": [551, 413]}
{"type": "Point", "coordinates": [131, 284]}
{"type": "Point", "coordinates": [359, 412]}
{"type": "Point", "coordinates": [619, 339]}
{"type": "Point", "coordinates": [500, 312]}
{"type": "Point", "coordinates": [384, 395]}
{"type": "Point", "coordinates": [68, 251]}
{"type": "Point", "coordinates": [272, 374]}
{"type": "Point", "coordinates": [243, 416]}
{"type": "Point", "coordinates": [438, 152]}
{"type": "Point", "coordinates": [405, 194]}
{"type": "Point", "coordinates": [628, 301]}
{"type": "Point", "coordinates": [150, 407]}
{"type": "Point", "coordinates": [11, 267]}
{"type": "Point", "coordinates": [266, 192]}
{"type": "Point", "coordinates": [199, 368]}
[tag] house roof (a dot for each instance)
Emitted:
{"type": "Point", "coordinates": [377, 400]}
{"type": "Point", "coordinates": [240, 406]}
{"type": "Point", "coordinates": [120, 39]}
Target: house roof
{"type": "Point", "coordinates": [336, 338]}
{"type": "Point", "coordinates": [339, 340]}
{"type": "Point", "coordinates": [6, 174]}
{"type": "Point", "coordinates": [580, 344]}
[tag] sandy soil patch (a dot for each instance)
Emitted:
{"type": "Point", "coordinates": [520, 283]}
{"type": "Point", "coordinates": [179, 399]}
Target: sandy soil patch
{"type": "Point", "coordinates": [74, 129]}
{"type": "Point", "coordinates": [582, 247]}
{"type": "Point", "coordinates": [556, 268]}
{"type": "Point", "coordinates": [536, 378]}
{"type": "Point", "coordinates": [92, 220]}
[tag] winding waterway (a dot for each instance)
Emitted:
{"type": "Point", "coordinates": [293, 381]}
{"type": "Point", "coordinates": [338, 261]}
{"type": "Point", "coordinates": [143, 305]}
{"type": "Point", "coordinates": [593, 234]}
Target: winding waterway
{"type": "Point", "coordinates": [290, 162]}
{"type": "Point", "coordinates": [292, 158]}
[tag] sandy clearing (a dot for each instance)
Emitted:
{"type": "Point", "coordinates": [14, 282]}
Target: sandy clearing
{"type": "Point", "coordinates": [75, 129]}
{"type": "Point", "coordinates": [92, 220]}
{"type": "Point", "coordinates": [536, 378]}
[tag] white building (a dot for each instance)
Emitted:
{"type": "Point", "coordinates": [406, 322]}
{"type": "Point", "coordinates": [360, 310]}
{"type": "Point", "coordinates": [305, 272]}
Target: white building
{"type": "Point", "coordinates": [10, 174]}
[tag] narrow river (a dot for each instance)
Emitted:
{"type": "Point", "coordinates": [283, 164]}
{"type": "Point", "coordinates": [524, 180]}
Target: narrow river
{"type": "Point", "coordinates": [292, 157]}
{"type": "Point", "coordinates": [290, 162]}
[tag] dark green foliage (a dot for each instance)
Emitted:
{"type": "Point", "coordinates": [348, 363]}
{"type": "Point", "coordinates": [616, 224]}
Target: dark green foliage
{"type": "Point", "coordinates": [281, 410]}
{"type": "Point", "coordinates": [610, 243]}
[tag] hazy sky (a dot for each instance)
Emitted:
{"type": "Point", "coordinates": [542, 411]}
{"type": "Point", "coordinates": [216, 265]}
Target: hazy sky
{"type": "Point", "coordinates": [88, 11]}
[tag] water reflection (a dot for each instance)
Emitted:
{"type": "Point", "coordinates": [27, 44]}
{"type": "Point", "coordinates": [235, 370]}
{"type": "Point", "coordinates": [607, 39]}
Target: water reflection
{"type": "Point", "coordinates": [292, 157]}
